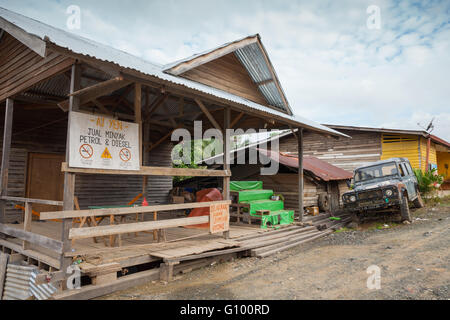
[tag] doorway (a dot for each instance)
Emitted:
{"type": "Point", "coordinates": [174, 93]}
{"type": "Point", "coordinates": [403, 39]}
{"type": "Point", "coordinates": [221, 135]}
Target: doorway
{"type": "Point", "coordinates": [45, 179]}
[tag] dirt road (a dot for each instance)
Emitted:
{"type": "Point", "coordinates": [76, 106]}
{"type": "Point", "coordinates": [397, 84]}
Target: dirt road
{"type": "Point", "coordinates": [414, 261]}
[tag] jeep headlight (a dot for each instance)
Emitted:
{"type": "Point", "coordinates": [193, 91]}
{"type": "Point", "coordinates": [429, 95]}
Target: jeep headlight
{"type": "Point", "coordinates": [389, 193]}
{"type": "Point", "coordinates": [352, 198]}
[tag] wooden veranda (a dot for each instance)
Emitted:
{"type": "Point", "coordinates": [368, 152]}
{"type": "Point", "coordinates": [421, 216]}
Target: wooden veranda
{"type": "Point", "coordinates": [45, 82]}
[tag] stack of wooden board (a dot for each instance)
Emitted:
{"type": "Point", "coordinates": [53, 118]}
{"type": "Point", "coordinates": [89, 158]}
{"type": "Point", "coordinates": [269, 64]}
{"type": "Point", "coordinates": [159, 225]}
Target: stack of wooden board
{"type": "Point", "coordinates": [265, 244]}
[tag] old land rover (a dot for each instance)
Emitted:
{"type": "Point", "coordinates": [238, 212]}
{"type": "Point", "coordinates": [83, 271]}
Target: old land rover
{"type": "Point", "coordinates": [384, 186]}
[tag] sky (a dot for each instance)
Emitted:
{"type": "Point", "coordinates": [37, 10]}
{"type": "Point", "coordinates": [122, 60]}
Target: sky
{"type": "Point", "coordinates": [338, 62]}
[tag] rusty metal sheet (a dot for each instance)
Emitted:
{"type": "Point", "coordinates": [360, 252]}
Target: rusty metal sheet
{"type": "Point", "coordinates": [319, 168]}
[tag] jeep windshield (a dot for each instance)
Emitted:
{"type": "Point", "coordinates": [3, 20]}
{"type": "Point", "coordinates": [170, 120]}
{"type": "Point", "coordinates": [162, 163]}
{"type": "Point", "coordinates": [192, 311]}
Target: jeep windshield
{"type": "Point", "coordinates": [378, 171]}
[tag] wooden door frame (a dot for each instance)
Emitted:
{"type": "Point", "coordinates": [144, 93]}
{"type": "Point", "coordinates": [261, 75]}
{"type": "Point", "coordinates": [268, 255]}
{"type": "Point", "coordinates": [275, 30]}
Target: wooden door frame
{"type": "Point", "coordinates": [27, 170]}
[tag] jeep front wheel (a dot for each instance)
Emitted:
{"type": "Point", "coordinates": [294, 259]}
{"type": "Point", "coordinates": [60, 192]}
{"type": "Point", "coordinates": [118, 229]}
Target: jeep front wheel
{"type": "Point", "coordinates": [404, 209]}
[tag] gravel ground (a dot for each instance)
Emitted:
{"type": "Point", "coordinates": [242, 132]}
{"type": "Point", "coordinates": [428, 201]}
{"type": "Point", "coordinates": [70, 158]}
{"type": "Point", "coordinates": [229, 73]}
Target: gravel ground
{"type": "Point", "coordinates": [413, 259]}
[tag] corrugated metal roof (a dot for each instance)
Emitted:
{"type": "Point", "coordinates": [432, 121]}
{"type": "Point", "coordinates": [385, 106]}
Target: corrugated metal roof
{"type": "Point", "coordinates": [90, 48]}
{"type": "Point", "coordinates": [319, 168]}
{"type": "Point", "coordinates": [422, 133]}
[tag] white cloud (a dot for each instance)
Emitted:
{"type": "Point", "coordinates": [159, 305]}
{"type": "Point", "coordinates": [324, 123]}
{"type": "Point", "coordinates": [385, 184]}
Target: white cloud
{"type": "Point", "coordinates": [332, 67]}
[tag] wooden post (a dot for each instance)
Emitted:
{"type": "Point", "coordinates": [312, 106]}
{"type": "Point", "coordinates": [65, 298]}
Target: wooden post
{"type": "Point", "coordinates": [138, 113]}
{"type": "Point", "coordinates": [427, 161]}
{"type": "Point", "coordinates": [7, 134]}
{"type": "Point", "coordinates": [138, 120]}
{"type": "Point", "coordinates": [226, 161]}
{"type": "Point", "coordinates": [28, 217]}
{"type": "Point", "coordinates": [300, 173]}
{"type": "Point", "coordinates": [69, 178]}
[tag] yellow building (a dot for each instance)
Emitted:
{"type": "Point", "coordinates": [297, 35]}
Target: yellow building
{"type": "Point", "coordinates": [373, 144]}
{"type": "Point", "coordinates": [412, 147]}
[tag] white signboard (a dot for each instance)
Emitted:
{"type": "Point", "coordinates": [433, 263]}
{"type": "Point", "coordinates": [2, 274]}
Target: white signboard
{"type": "Point", "coordinates": [99, 142]}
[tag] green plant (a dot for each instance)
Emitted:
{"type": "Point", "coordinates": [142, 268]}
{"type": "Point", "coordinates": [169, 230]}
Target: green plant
{"type": "Point", "coordinates": [429, 181]}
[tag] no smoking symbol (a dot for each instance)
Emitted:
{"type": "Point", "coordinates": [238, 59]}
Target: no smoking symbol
{"type": "Point", "coordinates": [86, 151]}
{"type": "Point", "coordinates": [125, 155]}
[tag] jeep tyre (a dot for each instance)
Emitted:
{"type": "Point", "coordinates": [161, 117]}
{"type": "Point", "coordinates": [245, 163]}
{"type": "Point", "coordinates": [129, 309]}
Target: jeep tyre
{"type": "Point", "coordinates": [404, 209]}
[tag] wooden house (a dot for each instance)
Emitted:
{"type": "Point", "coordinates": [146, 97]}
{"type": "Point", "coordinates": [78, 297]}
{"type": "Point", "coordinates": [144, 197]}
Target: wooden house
{"type": "Point", "coordinates": [324, 183]}
{"type": "Point", "coordinates": [53, 213]}
{"type": "Point", "coordinates": [373, 144]}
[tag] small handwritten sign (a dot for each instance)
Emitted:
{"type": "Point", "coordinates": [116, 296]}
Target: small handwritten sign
{"type": "Point", "coordinates": [219, 220]}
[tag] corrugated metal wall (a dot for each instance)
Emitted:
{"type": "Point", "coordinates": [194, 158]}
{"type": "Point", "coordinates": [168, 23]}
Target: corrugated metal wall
{"type": "Point", "coordinates": [412, 147]}
{"type": "Point", "coordinates": [401, 146]}
{"type": "Point", "coordinates": [347, 154]}
{"type": "Point", "coordinates": [29, 137]}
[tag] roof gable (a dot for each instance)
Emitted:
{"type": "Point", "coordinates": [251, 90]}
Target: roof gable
{"type": "Point", "coordinates": [252, 57]}
{"type": "Point", "coordinates": [228, 74]}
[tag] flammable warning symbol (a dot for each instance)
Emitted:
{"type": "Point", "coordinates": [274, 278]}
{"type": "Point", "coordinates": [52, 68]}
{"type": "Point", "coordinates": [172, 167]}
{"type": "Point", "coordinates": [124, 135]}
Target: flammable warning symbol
{"type": "Point", "coordinates": [106, 154]}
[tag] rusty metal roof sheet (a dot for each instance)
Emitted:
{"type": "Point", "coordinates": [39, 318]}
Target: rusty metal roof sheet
{"type": "Point", "coordinates": [319, 168]}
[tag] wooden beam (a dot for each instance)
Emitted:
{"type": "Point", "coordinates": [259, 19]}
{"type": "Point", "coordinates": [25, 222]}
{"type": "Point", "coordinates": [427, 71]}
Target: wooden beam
{"type": "Point", "coordinates": [155, 105]}
{"type": "Point", "coordinates": [97, 90]}
{"type": "Point", "coordinates": [138, 115]}
{"type": "Point", "coordinates": [215, 54]}
{"type": "Point", "coordinates": [208, 114]}
{"type": "Point", "coordinates": [152, 171]}
{"type": "Point", "coordinates": [6, 149]}
{"type": "Point", "coordinates": [33, 238]}
{"type": "Point", "coordinates": [300, 173]}
{"type": "Point", "coordinates": [37, 201]}
{"type": "Point", "coordinates": [226, 162]}
{"type": "Point", "coordinates": [123, 96]}
{"type": "Point", "coordinates": [32, 254]}
{"type": "Point", "coordinates": [236, 120]}
{"type": "Point", "coordinates": [154, 145]}
{"type": "Point", "coordinates": [85, 233]}
{"type": "Point", "coordinates": [70, 214]}
{"type": "Point", "coordinates": [28, 217]}
{"type": "Point", "coordinates": [31, 41]}
{"type": "Point", "coordinates": [101, 107]}
{"type": "Point", "coordinates": [69, 177]}
{"type": "Point", "coordinates": [93, 291]}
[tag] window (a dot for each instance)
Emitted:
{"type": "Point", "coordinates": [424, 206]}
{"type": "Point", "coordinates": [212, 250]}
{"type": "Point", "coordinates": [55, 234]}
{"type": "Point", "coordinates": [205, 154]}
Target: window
{"type": "Point", "coordinates": [402, 169]}
{"type": "Point", "coordinates": [383, 170]}
{"type": "Point", "coordinates": [408, 167]}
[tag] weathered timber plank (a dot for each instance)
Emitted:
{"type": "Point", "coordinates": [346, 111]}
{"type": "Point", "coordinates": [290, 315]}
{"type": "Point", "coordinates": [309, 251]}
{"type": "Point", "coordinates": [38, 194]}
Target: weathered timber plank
{"type": "Point", "coordinates": [123, 211]}
{"type": "Point", "coordinates": [31, 253]}
{"type": "Point", "coordinates": [34, 238]}
{"type": "Point", "coordinates": [152, 171]}
{"type": "Point", "coordinates": [83, 233]}
{"type": "Point", "coordinates": [94, 291]}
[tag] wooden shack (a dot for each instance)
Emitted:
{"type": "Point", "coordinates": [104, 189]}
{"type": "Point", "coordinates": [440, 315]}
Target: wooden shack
{"type": "Point", "coordinates": [52, 213]}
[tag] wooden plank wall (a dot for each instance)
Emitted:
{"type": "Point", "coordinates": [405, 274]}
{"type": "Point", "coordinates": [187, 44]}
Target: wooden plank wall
{"type": "Point", "coordinates": [348, 154]}
{"type": "Point", "coordinates": [29, 135]}
{"type": "Point", "coordinates": [287, 185]}
{"type": "Point", "coordinates": [228, 74]}
{"type": "Point", "coordinates": [20, 67]}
